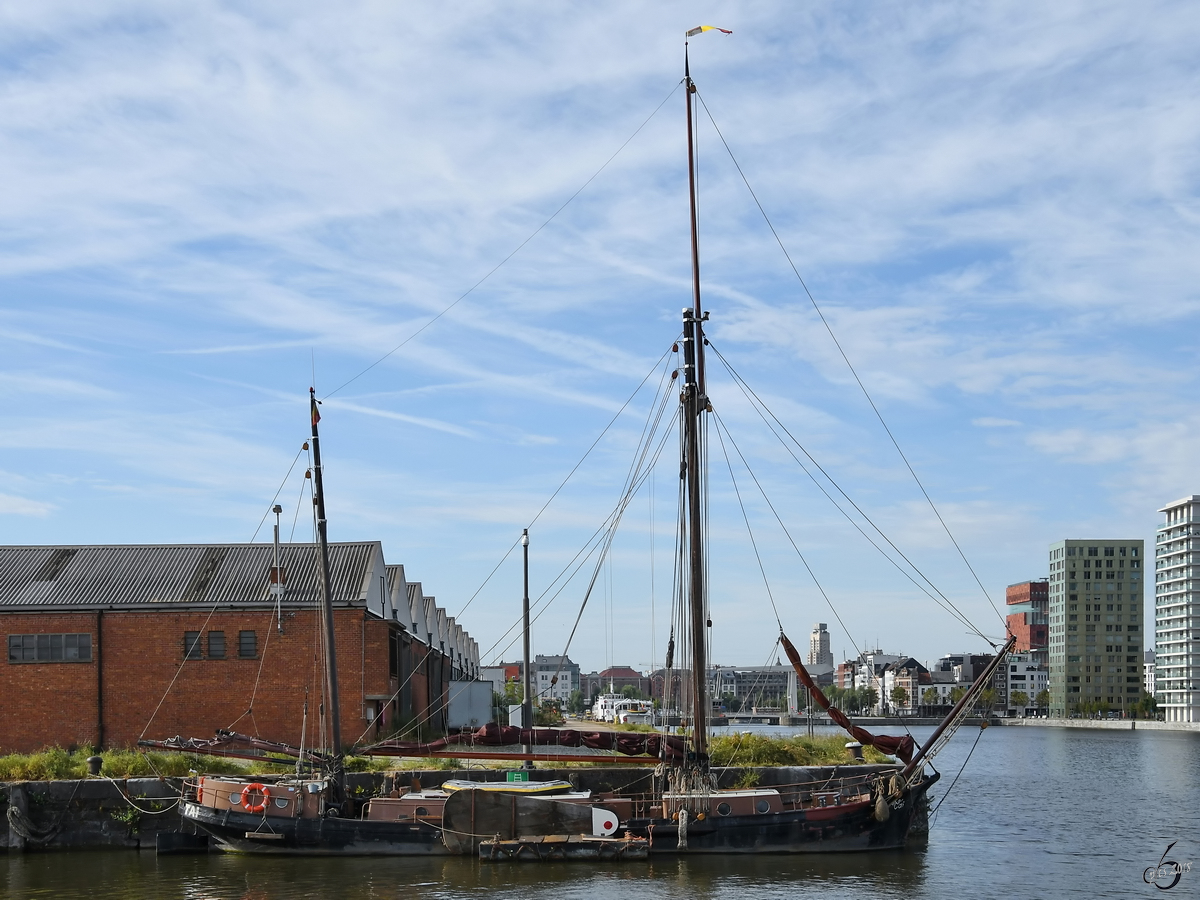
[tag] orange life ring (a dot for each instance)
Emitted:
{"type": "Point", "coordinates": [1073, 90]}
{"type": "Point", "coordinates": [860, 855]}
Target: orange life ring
{"type": "Point", "coordinates": [255, 807]}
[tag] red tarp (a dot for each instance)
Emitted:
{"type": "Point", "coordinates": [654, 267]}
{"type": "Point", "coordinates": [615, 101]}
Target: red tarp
{"type": "Point", "coordinates": [669, 748]}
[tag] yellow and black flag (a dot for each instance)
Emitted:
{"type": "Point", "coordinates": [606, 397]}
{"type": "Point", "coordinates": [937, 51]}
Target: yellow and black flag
{"type": "Point", "coordinates": [700, 29]}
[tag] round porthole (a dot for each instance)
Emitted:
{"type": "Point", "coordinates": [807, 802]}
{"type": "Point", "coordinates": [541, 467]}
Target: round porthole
{"type": "Point", "coordinates": [722, 809]}
{"type": "Point", "coordinates": [422, 811]}
{"type": "Point", "coordinates": [762, 806]}
{"type": "Point", "coordinates": [281, 802]}
{"type": "Point", "coordinates": [235, 798]}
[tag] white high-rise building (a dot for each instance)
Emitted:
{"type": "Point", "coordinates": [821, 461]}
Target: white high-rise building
{"type": "Point", "coordinates": [1177, 611]}
{"type": "Point", "coordinates": [819, 653]}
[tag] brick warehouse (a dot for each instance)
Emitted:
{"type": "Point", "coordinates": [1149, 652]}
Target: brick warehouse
{"type": "Point", "coordinates": [96, 635]}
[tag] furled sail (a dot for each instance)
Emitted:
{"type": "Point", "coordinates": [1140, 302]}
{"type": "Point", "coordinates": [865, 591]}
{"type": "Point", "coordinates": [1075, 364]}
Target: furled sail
{"type": "Point", "coordinates": [903, 746]}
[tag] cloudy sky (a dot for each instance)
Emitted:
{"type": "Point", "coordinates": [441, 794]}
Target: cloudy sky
{"type": "Point", "coordinates": [209, 206]}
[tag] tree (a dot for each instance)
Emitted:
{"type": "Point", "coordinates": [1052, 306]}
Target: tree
{"type": "Point", "coordinates": [1020, 700]}
{"type": "Point", "coordinates": [899, 696]}
{"type": "Point", "coordinates": [575, 703]}
{"type": "Point", "coordinates": [629, 692]}
{"type": "Point", "coordinates": [930, 697]}
{"type": "Point", "coordinates": [514, 693]}
{"type": "Point", "coordinates": [957, 693]}
{"type": "Point", "coordinates": [1042, 699]}
{"type": "Point", "coordinates": [1147, 706]}
{"type": "Point", "coordinates": [987, 699]}
{"type": "Point", "coordinates": [868, 697]}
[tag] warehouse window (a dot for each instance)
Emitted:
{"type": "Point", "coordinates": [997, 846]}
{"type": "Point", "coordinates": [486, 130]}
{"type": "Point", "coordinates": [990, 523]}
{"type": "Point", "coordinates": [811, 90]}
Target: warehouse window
{"type": "Point", "coordinates": [191, 645]}
{"type": "Point", "coordinates": [247, 645]}
{"type": "Point", "coordinates": [216, 645]}
{"type": "Point", "coordinates": [49, 648]}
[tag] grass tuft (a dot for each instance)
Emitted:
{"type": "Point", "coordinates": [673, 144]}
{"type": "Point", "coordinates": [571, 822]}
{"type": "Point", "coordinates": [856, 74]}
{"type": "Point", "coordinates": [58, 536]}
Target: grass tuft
{"type": "Point", "coordinates": [764, 750]}
{"type": "Point", "coordinates": [57, 764]}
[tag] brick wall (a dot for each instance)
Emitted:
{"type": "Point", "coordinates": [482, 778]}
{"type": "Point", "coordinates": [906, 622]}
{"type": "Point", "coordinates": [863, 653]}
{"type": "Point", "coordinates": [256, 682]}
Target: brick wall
{"type": "Point", "coordinates": [138, 655]}
{"type": "Point", "coordinates": [58, 699]}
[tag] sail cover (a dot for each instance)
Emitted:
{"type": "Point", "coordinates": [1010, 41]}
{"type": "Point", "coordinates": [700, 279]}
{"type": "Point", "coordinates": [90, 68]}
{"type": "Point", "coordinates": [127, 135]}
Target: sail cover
{"type": "Point", "coordinates": [669, 748]}
{"type": "Point", "coordinates": [903, 746]}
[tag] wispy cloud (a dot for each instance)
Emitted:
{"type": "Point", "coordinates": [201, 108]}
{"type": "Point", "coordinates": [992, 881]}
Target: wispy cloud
{"type": "Point", "coordinates": [996, 208]}
{"type": "Point", "coordinates": [23, 506]}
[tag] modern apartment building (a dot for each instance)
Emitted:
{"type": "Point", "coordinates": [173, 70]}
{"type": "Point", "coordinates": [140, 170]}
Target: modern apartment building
{"type": "Point", "coordinates": [1096, 625]}
{"type": "Point", "coordinates": [1177, 611]}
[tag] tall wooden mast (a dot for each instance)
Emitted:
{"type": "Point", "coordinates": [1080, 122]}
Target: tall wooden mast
{"type": "Point", "coordinates": [331, 680]}
{"type": "Point", "coordinates": [694, 403]}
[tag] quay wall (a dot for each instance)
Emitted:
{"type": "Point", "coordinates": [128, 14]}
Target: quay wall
{"type": "Point", "coordinates": [1112, 724]}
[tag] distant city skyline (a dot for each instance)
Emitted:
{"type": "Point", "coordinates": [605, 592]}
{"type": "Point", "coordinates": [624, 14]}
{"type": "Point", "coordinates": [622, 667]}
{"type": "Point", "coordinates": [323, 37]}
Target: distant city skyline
{"type": "Point", "coordinates": [206, 211]}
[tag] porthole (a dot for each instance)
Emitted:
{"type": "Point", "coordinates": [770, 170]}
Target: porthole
{"type": "Point", "coordinates": [281, 802]}
{"type": "Point", "coordinates": [422, 811]}
{"type": "Point", "coordinates": [722, 809]}
{"type": "Point", "coordinates": [762, 806]}
{"type": "Point", "coordinates": [235, 798]}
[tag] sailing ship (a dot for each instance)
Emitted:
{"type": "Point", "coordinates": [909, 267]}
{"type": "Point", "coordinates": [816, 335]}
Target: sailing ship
{"type": "Point", "coordinates": [846, 808]}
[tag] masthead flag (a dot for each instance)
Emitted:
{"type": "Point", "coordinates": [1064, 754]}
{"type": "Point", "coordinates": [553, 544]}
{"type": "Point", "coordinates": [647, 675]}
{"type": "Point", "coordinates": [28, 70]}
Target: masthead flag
{"type": "Point", "coordinates": [699, 29]}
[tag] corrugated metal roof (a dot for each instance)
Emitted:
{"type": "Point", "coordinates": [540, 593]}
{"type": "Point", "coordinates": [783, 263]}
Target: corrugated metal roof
{"type": "Point", "coordinates": [177, 574]}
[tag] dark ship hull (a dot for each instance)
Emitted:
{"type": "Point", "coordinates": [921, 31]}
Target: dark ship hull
{"type": "Point", "coordinates": [850, 828]}
{"type": "Point", "coordinates": [844, 828]}
{"type": "Point", "coordinates": [318, 836]}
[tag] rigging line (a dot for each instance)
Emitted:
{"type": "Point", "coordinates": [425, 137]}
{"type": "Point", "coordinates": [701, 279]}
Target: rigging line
{"type": "Point", "coordinates": [596, 538]}
{"type": "Point", "coordinates": [638, 475]}
{"type": "Point", "coordinates": [960, 771]}
{"type": "Point", "coordinates": [622, 504]}
{"type": "Point", "coordinates": [759, 406]}
{"type": "Point", "coordinates": [741, 737]}
{"type": "Point", "coordinates": [208, 619]}
{"type": "Point", "coordinates": [570, 474]}
{"type": "Point", "coordinates": [518, 249]}
{"type": "Point", "coordinates": [295, 519]}
{"type": "Point", "coordinates": [846, 359]}
{"type": "Point", "coordinates": [277, 493]}
{"type": "Point", "coordinates": [750, 531]}
{"type": "Point", "coordinates": [813, 575]}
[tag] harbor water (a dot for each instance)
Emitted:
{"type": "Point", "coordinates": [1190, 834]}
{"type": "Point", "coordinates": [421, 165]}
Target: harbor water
{"type": "Point", "coordinates": [1036, 812]}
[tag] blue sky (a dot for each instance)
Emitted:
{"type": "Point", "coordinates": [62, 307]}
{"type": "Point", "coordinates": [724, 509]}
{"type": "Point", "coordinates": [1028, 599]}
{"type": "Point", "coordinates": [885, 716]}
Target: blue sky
{"type": "Point", "coordinates": [995, 204]}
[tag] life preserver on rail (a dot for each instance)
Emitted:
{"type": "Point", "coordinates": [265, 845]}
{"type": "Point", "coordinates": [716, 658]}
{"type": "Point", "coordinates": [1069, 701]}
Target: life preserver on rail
{"type": "Point", "coordinates": [200, 790]}
{"type": "Point", "coordinates": [255, 807]}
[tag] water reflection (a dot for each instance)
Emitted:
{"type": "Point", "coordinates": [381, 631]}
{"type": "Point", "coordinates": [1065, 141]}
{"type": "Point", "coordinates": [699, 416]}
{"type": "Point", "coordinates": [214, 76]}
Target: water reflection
{"type": "Point", "coordinates": [1038, 812]}
{"type": "Point", "coordinates": [104, 875]}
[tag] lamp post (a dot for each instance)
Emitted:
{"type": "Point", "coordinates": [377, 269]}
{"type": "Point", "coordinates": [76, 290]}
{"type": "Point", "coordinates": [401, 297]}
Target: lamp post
{"type": "Point", "coordinates": [527, 696]}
